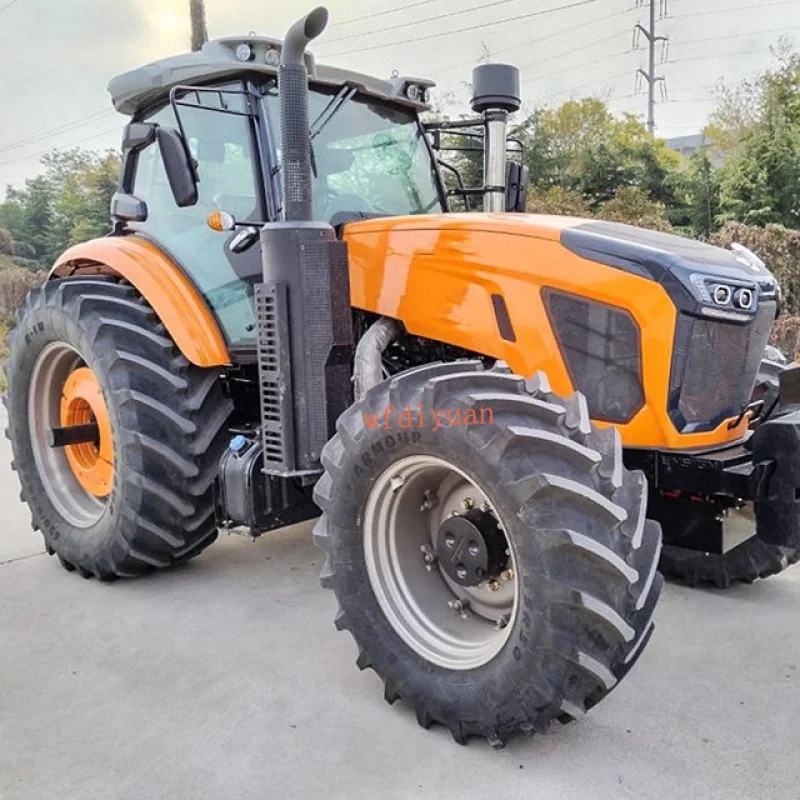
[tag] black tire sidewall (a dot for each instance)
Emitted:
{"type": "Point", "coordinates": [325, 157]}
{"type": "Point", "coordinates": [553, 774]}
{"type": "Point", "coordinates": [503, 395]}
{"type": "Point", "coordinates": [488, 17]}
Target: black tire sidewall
{"type": "Point", "coordinates": [517, 667]}
{"type": "Point", "coordinates": [40, 327]}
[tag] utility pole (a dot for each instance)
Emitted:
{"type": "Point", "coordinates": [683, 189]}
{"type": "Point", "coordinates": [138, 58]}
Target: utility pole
{"type": "Point", "coordinates": [649, 76]}
{"type": "Point", "coordinates": [197, 16]}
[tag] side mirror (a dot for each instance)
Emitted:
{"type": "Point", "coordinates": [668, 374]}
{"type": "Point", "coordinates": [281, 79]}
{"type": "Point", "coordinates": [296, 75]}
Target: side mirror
{"type": "Point", "coordinates": [127, 208]}
{"type": "Point", "coordinates": [178, 166]}
{"type": "Point", "coordinates": [516, 187]}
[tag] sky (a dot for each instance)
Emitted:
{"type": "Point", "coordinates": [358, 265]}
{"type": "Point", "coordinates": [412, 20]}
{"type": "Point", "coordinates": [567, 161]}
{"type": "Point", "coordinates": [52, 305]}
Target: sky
{"type": "Point", "coordinates": [56, 57]}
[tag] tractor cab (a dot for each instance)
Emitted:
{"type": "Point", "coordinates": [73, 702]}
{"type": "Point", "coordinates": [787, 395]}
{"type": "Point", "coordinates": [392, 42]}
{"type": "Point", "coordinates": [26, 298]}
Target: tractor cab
{"type": "Point", "coordinates": [205, 136]}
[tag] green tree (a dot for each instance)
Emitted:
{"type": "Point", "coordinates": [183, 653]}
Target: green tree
{"type": "Point", "coordinates": [759, 181]}
{"type": "Point", "coordinates": [583, 147]}
{"type": "Point", "coordinates": [67, 204]}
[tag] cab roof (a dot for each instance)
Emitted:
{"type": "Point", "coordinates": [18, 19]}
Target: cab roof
{"type": "Point", "coordinates": [134, 91]}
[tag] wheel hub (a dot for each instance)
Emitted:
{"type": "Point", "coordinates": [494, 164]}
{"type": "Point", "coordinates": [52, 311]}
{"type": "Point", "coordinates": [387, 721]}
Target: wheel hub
{"type": "Point", "coordinates": [471, 547]}
{"type": "Point", "coordinates": [82, 403]}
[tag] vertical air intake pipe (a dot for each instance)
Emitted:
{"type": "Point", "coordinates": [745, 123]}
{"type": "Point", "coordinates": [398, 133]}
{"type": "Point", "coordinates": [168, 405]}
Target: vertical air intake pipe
{"type": "Point", "coordinates": [495, 94]}
{"type": "Point", "coordinates": [293, 89]}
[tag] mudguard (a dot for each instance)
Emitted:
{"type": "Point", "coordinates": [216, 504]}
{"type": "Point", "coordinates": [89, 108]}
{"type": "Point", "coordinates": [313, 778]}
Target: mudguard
{"type": "Point", "coordinates": [165, 286]}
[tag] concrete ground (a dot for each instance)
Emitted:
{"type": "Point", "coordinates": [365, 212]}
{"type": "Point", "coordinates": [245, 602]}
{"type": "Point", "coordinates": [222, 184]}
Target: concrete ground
{"type": "Point", "coordinates": [226, 680]}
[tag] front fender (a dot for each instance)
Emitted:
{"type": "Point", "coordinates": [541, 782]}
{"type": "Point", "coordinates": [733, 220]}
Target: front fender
{"type": "Point", "coordinates": [162, 283]}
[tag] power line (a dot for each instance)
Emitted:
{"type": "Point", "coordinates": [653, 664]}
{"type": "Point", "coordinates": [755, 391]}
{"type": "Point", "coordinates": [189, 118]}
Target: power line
{"type": "Point", "coordinates": [588, 83]}
{"type": "Point", "coordinates": [380, 13]}
{"type": "Point", "coordinates": [62, 147]}
{"type": "Point", "coordinates": [55, 131]}
{"type": "Point", "coordinates": [481, 26]}
{"type": "Point", "coordinates": [740, 35]}
{"type": "Point", "coordinates": [709, 56]}
{"type": "Point", "coordinates": [400, 25]}
{"type": "Point", "coordinates": [548, 37]}
{"type": "Point", "coordinates": [577, 50]}
{"type": "Point", "coordinates": [7, 5]}
{"type": "Point", "coordinates": [738, 8]}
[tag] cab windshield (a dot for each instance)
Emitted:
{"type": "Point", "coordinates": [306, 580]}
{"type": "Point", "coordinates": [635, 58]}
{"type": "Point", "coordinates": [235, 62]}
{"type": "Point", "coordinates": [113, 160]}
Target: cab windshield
{"type": "Point", "coordinates": [369, 158]}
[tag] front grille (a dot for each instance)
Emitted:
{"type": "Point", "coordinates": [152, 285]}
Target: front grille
{"type": "Point", "coordinates": [600, 345]}
{"type": "Point", "coordinates": [714, 368]}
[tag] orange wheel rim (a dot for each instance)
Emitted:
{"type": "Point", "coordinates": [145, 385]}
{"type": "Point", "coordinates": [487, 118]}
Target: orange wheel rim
{"type": "Point", "coordinates": [82, 402]}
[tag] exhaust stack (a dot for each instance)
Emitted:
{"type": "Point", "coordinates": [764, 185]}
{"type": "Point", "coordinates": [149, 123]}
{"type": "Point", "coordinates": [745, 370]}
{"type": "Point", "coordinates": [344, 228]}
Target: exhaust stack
{"type": "Point", "coordinates": [304, 335]}
{"type": "Point", "coordinates": [495, 94]}
{"type": "Point", "coordinates": [293, 90]}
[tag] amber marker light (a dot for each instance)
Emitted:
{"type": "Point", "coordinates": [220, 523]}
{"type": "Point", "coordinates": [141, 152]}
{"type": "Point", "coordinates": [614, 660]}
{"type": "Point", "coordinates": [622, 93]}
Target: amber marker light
{"type": "Point", "coordinates": [220, 221]}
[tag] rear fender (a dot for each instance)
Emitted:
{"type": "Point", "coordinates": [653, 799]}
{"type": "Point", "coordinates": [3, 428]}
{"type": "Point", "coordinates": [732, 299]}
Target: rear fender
{"type": "Point", "coordinates": [165, 286]}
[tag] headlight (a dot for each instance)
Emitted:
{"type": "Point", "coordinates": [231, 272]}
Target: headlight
{"type": "Point", "coordinates": [244, 52]}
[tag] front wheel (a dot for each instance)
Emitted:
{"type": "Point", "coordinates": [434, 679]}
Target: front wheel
{"type": "Point", "coordinates": [489, 552]}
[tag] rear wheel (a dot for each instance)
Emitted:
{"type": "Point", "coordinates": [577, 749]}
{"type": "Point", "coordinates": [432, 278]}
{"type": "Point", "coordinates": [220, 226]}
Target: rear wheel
{"type": "Point", "coordinates": [753, 558]}
{"type": "Point", "coordinates": [134, 495]}
{"type": "Point", "coordinates": [497, 572]}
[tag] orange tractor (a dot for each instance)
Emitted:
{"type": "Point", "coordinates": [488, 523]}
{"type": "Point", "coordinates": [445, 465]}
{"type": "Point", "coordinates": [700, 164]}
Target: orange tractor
{"type": "Point", "coordinates": [496, 413]}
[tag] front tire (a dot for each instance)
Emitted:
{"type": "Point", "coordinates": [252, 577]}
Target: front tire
{"type": "Point", "coordinates": [141, 498]}
{"type": "Point", "coordinates": [574, 608]}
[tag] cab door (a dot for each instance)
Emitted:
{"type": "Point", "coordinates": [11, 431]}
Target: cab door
{"type": "Point", "coordinates": [221, 130]}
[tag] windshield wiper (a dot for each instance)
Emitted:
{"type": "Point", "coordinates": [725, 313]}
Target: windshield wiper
{"type": "Point", "coordinates": [342, 97]}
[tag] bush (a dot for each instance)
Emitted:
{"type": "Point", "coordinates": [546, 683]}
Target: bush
{"type": "Point", "coordinates": [557, 200]}
{"type": "Point", "coordinates": [786, 336]}
{"type": "Point", "coordinates": [778, 247]}
{"type": "Point", "coordinates": [635, 207]}
{"type": "Point", "coordinates": [7, 245]}
{"type": "Point", "coordinates": [14, 285]}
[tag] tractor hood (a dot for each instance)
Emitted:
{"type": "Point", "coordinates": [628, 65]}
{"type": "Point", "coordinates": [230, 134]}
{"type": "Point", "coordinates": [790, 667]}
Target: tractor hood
{"type": "Point", "coordinates": [700, 278]}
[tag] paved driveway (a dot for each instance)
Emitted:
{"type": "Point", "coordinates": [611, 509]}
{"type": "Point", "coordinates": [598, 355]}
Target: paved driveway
{"type": "Point", "coordinates": [225, 679]}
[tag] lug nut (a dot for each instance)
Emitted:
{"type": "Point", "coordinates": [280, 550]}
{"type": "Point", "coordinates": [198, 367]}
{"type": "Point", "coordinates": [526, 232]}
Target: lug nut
{"type": "Point", "coordinates": [492, 585]}
{"type": "Point", "coordinates": [459, 606]}
{"type": "Point", "coordinates": [429, 500]}
{"type": "Point", "coordinates": [507, 574]}
{"type": "Point", "coordinates": [429, 557]}
{"type": "Point", "coordinates": [473, 549]}
{"type": "Point", "coordinates": [501, 622]}
{"type": "Point", "coordinates": [468, 503]}
{"type": "Point", "coordinates": [461, 571]}
{"type": "Point", "coordinates": [449, 540]}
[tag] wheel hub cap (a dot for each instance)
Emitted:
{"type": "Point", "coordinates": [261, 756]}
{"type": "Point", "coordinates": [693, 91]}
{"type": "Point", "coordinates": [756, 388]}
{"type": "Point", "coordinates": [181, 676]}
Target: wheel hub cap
{"type": "Point", "coordinates": [81, 403]}
{"type": "Point", "coordinates": [471, 547]}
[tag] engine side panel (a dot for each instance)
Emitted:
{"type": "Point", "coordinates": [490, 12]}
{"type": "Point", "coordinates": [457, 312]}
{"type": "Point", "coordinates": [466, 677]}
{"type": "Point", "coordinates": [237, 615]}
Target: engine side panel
{"type": "Point", "coordinates": [439, 275]}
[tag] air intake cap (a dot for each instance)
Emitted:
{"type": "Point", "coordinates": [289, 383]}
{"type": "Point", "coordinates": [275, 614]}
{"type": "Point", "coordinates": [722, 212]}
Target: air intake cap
{"type": "Point", "coordinates": [495, 87]}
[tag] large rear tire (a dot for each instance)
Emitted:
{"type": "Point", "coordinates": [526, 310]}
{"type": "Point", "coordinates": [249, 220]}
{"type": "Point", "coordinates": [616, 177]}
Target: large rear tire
{"type": "Point", "coordinates": [140, 498]}
{"type": "Point", "coordinates": [570, 607]}
{"type": "Point", "coordinates": [753, 558]}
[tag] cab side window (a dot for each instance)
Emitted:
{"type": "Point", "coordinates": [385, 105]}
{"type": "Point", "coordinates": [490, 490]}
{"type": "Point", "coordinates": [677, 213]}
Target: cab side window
{"type": "Point", "coordinates": [222, 147]}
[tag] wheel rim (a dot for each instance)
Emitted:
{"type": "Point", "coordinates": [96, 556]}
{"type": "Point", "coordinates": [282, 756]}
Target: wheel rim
{"type": "Point", "coordinates": [64, 391]}
{"type": "Point", "coordinates": [454, 626]}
